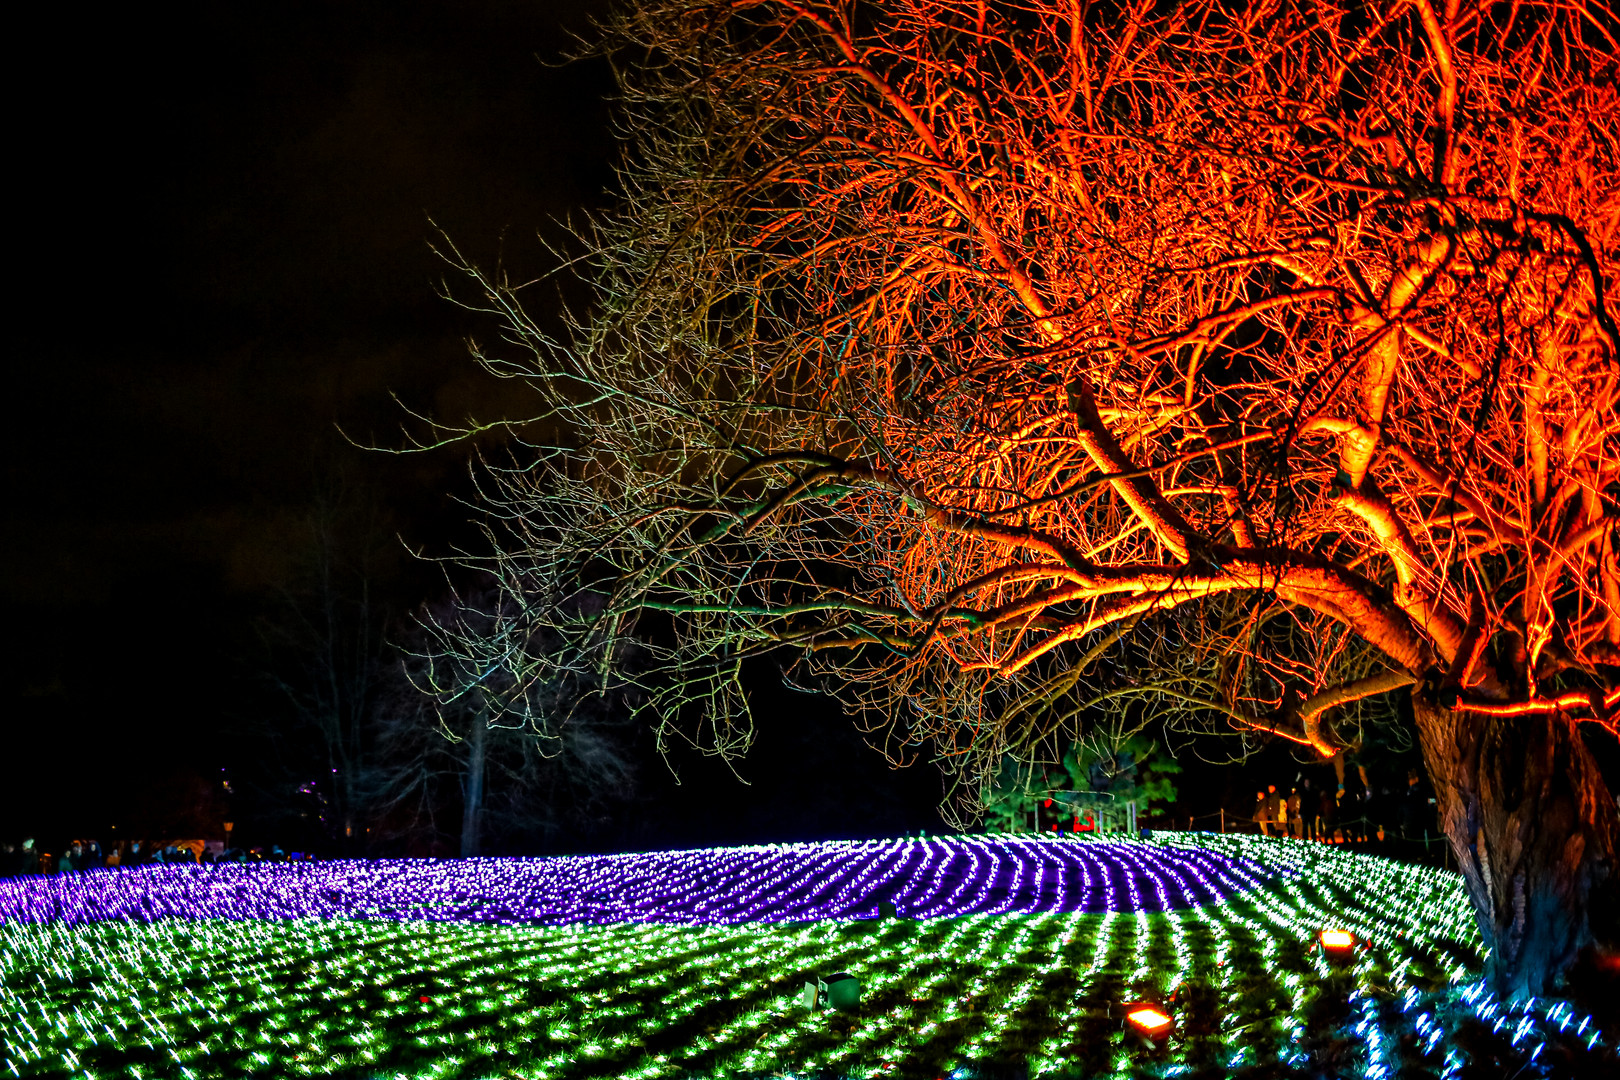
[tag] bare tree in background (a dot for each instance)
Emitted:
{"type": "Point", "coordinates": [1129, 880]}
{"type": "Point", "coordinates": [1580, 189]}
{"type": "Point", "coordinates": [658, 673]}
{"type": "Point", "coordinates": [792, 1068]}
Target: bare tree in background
{"type": "Point", "coordinates": [457, 740]}
{"type": "Point", "coordinates": [327, 657]}
{"type": "Point", "coordinates": [1235, 365]}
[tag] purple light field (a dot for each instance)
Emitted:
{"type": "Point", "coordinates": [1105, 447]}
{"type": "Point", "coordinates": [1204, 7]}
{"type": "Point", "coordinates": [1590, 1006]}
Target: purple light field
{"type": "Point", "coordinates": [923, 878]}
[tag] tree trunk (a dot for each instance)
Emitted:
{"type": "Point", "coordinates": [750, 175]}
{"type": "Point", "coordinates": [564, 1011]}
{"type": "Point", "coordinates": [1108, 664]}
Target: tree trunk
{"type": "Point", "coordinates": [473, 788]}
{"type": "Point", "coordinates": [1535, 832]}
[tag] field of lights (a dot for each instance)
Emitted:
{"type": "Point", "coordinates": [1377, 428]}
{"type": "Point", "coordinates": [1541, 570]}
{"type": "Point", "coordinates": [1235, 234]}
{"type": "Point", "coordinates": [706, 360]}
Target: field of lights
{"type": "Point", "coordinates": [1008, 958]}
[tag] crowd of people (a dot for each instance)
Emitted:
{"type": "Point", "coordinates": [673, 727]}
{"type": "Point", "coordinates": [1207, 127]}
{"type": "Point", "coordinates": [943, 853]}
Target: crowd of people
{"type": "Point", "coordinates": [1318, 812]}
{"type": "Point", "coordinates": [27, 857]}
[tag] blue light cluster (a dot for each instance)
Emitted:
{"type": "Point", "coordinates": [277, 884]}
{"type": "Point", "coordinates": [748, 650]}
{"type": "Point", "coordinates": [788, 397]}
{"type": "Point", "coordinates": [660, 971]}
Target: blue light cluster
{"type": "Point", "coordinates": [1526, 1017]}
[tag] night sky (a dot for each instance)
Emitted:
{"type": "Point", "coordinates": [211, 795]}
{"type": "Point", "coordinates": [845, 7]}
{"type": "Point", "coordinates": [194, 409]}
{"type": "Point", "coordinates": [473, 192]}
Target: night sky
{"type": "Point", "coordinates": [228, 259]}
{"type": "Point", "coordinates": [224, 229]}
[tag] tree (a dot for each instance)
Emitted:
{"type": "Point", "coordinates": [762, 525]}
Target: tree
{"type": "Point", "coordinates": [1114, 777]}
{"type": "Point", "coordinates": [455, 741]}
{"type": "Point", "coordinates": [327, 656]}
{"type": "Point", "coordinates": [1243, 365]}
{"type": "Point", "coordinates": [1112, 780]}
{"type": "Point", "coordinates": [1009, 800]}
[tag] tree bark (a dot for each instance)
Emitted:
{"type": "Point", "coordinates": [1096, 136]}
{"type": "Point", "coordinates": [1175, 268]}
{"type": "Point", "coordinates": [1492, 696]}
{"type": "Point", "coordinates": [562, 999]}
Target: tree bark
{"type": "Point", "coordinates": [473, 788]}
{"type": "Point", "coordinates": [1534, 828]}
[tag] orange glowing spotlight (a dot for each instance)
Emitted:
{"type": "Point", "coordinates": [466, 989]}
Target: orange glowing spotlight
{"type": "Point", "coordinates": [1149, 1021]}
{"type": "Point", "coordinates": [1338, 943]}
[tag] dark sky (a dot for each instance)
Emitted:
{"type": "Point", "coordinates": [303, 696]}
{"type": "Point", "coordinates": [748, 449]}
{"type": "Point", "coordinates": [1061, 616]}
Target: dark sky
{"type": "Point", "coordinates": [224, 255]}
{"type": "Point", "coordinates": [223, 220]}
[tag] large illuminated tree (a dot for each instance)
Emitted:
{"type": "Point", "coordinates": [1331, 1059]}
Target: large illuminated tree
{"type": "Point", "coordinates": [1241, 364]}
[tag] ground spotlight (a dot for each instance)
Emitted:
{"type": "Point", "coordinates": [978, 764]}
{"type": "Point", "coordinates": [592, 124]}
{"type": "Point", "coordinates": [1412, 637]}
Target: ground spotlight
{"type": "Point", "coordinates": [1147, 1021]}
{"type": "Point", "coordinates": [1338, 944]}
{"type": "Point", "coordinates": [841, 991]}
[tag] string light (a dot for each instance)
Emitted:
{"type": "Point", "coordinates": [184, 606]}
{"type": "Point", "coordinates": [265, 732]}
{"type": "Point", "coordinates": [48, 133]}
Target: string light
{"type": "Point", "coordinates": [923, 878]}
{"type": "Point", "coordinates": [221, 971]}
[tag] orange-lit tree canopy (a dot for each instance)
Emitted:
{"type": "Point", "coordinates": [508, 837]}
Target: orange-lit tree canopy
{"type": "Point", "coordinates": [1014, 362]}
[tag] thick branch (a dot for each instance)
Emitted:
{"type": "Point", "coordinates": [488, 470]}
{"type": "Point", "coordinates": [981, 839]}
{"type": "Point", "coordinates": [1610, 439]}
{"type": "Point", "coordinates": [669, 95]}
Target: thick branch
{"type": "Point", "coordinates": [1314, 708]}
{"type": "Point", "coordinates": [1138, 491]}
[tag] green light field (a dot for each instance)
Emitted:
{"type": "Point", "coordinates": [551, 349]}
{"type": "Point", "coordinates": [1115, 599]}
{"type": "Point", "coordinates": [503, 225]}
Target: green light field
{"type": "Point", "coordinates": [1010, 995]}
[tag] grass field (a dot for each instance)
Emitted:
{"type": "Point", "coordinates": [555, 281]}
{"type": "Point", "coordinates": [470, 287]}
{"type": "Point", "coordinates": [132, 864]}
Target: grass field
{"type": "Point", "coordinates": [986, 994]}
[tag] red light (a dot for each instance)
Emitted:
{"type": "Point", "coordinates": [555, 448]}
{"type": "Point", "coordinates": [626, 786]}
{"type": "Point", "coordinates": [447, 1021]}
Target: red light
{"type": "Point", "coordinates": [1048, 802]}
